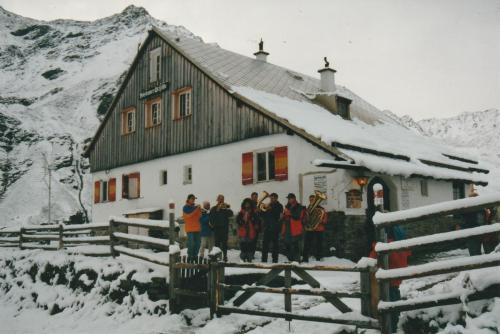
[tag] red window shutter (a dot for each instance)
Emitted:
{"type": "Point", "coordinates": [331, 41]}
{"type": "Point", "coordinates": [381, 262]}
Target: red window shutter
{"type": "Point", "coordinates": [281, 163]}
{"type": "Point", "coordinates": [112, 190]}
{"type": "Point", "coordinates": [124, 186]}
{"type": "Point", "coordinates": [97, 191]}
{"type": "Point", "coordinates": [247, 168]}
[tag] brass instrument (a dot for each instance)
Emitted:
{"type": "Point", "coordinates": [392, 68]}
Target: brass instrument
{"type": "Point", "coordinates": [223, 206]}
{"type": "Point", "coordinates": [316, 214]}
{"type": "Point", "coordinates": [261, 206]}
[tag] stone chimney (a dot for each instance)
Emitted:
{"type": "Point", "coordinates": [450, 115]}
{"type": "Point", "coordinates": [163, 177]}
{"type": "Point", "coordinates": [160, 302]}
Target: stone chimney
{"type": "Point", "coordinates": [261, 54]}
{"type": "Point", "coordinates": [327, 75]}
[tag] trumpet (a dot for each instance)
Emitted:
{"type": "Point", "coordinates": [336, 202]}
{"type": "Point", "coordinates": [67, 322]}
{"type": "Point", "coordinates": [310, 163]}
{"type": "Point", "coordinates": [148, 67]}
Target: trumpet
{"type": "Point", "coordinates": [261, 206]}
{"type": "Point", "coordinates": [223, 206]}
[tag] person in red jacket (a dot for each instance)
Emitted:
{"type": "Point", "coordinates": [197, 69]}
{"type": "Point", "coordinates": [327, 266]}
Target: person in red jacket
{"type": "Point", "coordinates": [293, 218]}
{"type": "Point", "coordinates": [315, 238]}
{"type": "Point", "coordinates": [396, 260]}
{"type": "Point", "coordinates": [247, 219]}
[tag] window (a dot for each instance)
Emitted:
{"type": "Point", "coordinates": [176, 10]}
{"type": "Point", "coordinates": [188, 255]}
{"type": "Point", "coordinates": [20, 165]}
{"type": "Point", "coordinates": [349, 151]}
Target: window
{"type": "Point", "coordinates": [152, 109]}
{"type": "Point", "coordinates": [155, 65]}
{"type": "Point", "coordinates": [182, 105]}
{"type": "Point", "coordinates": [343, 107]}
{"type": "Point", "coordinates": [265, 165]}
{"type": "Point", "coordinates": [128, 121]}
{"type": "Point", "coordinates": [163, 177]}
{"type": "Point", "coordinates": [105, 191]}
{"type": "Point", "coordinates": [423, 188]}
{"type": "Point", "coordinates": [354, 198]}
{"type": "Point", "coordinates": [131, 185]}
{"type": "Point", "coordinates": [188, 174]}
{"type": "Point", "coordinates": [458, 190]}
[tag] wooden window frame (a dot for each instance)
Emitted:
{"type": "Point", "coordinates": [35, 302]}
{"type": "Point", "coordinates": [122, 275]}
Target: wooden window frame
{"type": "Point", "coordinates": [126, 185]}
{"type": "Point", "coordinates": [124, 118]}
{"type": "Point", "coordinates": [176, 98]}
{"type": "Point", "coordinates": [424, 188]}
{"type": "Point", "coordinates": [156, 52]}
{"type": "Point", "coordinates": [148, 112]}
{"type": "Point", "coordinates": [354, 203]}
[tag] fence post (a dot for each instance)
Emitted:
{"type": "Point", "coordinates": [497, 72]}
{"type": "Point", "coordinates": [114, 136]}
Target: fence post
{"type": "Point", "coordinates": [213, 283]}
{"type": "Point", "coordinates": [171, 221]}
{"type": "Point", "coordinates": [111, 238]}
{"type": "Point", "coordinates": [61, 232]}
{"type": "Point", "coordinates": [368, 308]}
{"type": "Point", "coordinates": [384, 286]}
{"type": "Point", "coordinates": [288, 296]}
{"type": "Point", "coordinates": [21, 232]}
{"type": "Point", "coordinates": [174, 257]}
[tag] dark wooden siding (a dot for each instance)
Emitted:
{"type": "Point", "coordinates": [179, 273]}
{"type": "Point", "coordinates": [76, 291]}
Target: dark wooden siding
{"type": "Point", "coordinates": [216, 119]}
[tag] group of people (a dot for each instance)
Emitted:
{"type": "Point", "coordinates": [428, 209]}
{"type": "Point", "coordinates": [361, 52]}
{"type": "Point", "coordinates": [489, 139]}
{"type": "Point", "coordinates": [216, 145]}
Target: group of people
{"type": "Point", "coordinates": [208, 226]}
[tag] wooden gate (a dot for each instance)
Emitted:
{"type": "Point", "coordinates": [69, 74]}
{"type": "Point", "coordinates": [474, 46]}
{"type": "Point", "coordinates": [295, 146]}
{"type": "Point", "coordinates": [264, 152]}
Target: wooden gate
{"type": "Point", "coordinates": [217, 286]}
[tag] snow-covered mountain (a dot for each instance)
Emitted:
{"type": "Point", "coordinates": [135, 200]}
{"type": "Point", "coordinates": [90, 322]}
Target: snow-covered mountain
{"type": "Point", "coordinates": [476, 133]}
{"type": "Point", "coordinates": [56, 80]}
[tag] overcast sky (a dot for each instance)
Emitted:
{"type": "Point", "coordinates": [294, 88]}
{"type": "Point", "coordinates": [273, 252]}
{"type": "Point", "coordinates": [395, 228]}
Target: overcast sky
{"type": "Point", "coordinates": [426, 58]}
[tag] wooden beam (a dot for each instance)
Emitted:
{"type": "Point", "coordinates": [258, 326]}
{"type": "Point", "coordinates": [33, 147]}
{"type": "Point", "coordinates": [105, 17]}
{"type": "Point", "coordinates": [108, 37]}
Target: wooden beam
{"type": "Point", "coordinates": [133, 253]}
{"type": "Point", "coordinates": [369, 323]}
{"type": "Point", "coordinates": [263, 281]}
{"type": "Point", "coordinates": [438, 300]}
{"type": "Point", "coordinates": [293, 291]}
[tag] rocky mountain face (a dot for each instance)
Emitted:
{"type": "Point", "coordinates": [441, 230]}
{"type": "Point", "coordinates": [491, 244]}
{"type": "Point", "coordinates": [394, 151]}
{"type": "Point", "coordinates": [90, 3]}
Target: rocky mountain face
{"type": "Point", "coordinates": [57, 79]}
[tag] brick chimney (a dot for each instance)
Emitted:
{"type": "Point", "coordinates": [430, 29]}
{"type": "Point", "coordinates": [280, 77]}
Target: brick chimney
{"type": "Point", "coordinates": [261, 54]}
{"type": "Point", "coordinates": [327, 75]}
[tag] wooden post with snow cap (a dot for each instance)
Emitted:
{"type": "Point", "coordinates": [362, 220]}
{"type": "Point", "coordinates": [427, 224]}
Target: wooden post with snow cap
{"type": "Point", "coordinates": [171, 221]}
{"type": "Point", "coordinates": [112, 238]}
{"type": "Point", "coordinates": [21, 231]}
{"type": "Point", "coordinates": [214, 281]}
{"type": "Point", "coordinates": [384, 286]}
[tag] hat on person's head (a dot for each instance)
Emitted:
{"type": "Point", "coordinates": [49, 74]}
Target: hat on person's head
{"type": "Point", "coordinates": [191, 196]}
{"type": "Point", "coordinates": [274, 195]}
{"type": "Point", "coordinates": [290, 195]}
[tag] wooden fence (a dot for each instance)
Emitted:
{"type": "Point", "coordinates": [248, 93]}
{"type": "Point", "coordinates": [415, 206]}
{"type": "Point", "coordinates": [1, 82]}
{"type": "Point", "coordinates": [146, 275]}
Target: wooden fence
{"type": "Point", "coordinates": [385, 275]}
{"type": "Point", "coordinates": [53, 237]}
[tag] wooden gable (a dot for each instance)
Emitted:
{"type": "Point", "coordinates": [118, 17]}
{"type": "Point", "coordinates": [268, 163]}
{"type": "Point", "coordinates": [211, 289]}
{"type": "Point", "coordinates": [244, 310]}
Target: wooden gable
{"type": "Point", "coordinates": [217, 117]}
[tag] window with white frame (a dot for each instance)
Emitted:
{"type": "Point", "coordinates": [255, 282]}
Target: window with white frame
{"type": "Point", "coordinates": [128, 120]}
{"type": "Point", "coordinates": [424, 191]}
{"type": "Point", "coordinates": [163, 177]}
{"type": "Point", "coordinates": [264, 166]}
{"type": "Point", "coordinates": [188, 174]}
{"type": "Point", "coordinates": [155, 65]}
{"type": "Point", "coordinates": [152, 109]}
{"type": "Point", "coordinates": [182, 103]}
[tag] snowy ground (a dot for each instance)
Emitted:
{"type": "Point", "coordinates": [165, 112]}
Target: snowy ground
{"type": "Point", "coordinates": [93, 312]}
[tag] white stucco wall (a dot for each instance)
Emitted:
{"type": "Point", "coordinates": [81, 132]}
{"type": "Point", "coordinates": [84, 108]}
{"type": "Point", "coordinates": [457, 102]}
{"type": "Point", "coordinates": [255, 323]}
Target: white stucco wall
{"type": "Point", "coordinates": [218, 170]}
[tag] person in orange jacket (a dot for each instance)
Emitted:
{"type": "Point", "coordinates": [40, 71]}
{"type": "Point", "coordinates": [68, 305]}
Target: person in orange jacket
{"type": "Point", "coordinates": [293, 219]}
{"type": "Point", "coordinates": [396, 260]}
{"type": "Point", "coordinates": [247, 220]}
{"type": "Point", "coordinates": [191, 214]}
{"type": "Point", "coordinates": [315, 238]}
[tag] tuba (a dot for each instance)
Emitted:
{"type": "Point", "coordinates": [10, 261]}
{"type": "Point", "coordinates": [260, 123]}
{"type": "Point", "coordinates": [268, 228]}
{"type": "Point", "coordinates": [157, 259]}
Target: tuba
{"type": "Point", "coordinates": [261, 206]}
{"type": "Point", "coordinates": [316, 214]}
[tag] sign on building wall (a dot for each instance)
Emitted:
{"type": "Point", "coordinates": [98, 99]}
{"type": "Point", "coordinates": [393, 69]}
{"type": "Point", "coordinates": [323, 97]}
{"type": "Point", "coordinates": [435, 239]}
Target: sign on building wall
{"type": "Point", "coordinates": [147, 93]}
{"type": "Point", "coordinates": [321, 184]}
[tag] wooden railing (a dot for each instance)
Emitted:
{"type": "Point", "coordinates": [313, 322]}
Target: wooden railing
{"type": "Point", "coordinates": [385, 275]}
{"type": "Point", "coordinates": [53, 237]}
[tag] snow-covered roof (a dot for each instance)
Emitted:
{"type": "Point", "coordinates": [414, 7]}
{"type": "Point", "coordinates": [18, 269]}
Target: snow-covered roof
{"type": "Point", "coordinates": [372, 139]}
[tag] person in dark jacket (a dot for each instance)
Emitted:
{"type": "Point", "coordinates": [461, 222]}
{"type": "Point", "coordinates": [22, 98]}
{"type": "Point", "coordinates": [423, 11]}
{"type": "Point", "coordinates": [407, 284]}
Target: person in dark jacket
{"type": "Point", "coordinates": [247, 219]}
{"type": "Point", "coordinates": [293, 220]}
{"type": "Point", "coordinates": [255, 200]}
{"type": "Point", "coordinates": [314, 239]}
{"type": "Point", "coordinates": [206, 233]}
{"type": "Point", "coordinates": [271, 226]}
{"type": "Point", "coordinates": [219, 218]}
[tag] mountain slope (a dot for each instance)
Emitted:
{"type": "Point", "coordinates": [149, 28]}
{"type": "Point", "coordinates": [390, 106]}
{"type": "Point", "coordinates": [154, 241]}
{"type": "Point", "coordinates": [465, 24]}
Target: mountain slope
{"type": "Point", "coordinates": [56, 80]}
